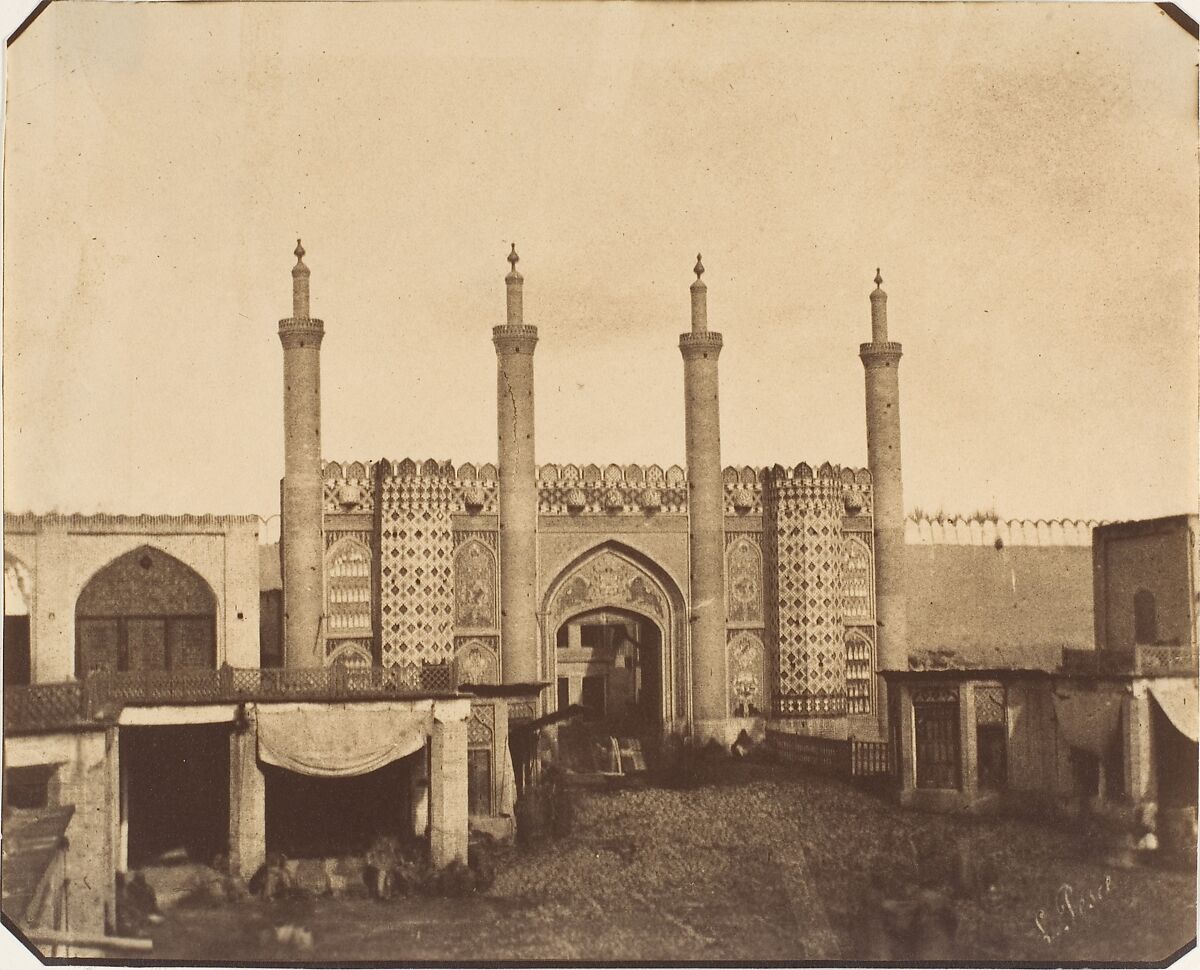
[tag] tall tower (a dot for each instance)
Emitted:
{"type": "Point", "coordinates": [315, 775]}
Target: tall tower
{"type": "Point", "coordinates": [301, 528]}
{"type": "Point", "coordinates": [515, 343]}
{"type": "Point", "coordinates": [706, 519]}
{"type": "Point", "coordinates": [881, 360]}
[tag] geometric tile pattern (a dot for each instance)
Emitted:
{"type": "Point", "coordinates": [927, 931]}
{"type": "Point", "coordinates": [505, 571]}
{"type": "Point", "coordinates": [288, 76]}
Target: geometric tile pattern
{"type": "Point", "coordinates": [416, 566]}
{"type": "Point", "coordinates": [805, 520]}
{"type": "Point", "coordinates": [989, 705]}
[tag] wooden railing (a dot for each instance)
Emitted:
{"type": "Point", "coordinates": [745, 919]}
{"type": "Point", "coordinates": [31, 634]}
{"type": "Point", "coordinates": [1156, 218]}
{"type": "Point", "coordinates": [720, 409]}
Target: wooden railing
{"type": "Point", "coordinates": [1144, 660]}
{"type": "Point", "coordinates": [98, 699]}
{"type": "Point", "coordinates": [849, 758]}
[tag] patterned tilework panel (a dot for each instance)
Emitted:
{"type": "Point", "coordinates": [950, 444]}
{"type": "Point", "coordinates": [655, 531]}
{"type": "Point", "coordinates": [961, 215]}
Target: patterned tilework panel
{"type": "Point", "coordinates": [744, 578]}
{"type": "Point", "coordinates": [417, 570]}
{"type": "Point", "coordinates": [811, 659]}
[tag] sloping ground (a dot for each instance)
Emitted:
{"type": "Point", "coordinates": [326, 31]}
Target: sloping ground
{"type": "Point", "coordinates": [761, 866]}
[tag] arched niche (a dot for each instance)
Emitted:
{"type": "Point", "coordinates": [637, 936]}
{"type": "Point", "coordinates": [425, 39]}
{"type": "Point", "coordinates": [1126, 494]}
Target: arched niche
{"type": "Point", "coordinates": [145, 610]}
{"type": "Point", "coordinates": [614, 576]}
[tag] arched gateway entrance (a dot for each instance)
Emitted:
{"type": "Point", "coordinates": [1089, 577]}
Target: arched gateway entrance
{"type": "Point", "coordinates": [614, 638]}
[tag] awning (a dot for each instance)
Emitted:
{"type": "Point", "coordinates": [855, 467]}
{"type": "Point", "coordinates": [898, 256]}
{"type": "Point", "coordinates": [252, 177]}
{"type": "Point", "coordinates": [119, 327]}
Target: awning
{"type": "Point", "coordinates": [1178, 701]}
{"type": "Point", "coordinates": [1088, 719]}
{"type": "Point", "coordinates": [338, 741]}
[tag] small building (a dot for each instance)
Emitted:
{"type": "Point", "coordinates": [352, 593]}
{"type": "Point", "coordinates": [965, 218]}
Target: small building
{"type": "Point", "coordinates": [1040, 725]}
{"type": "Point", "coordinates": [138, 716]}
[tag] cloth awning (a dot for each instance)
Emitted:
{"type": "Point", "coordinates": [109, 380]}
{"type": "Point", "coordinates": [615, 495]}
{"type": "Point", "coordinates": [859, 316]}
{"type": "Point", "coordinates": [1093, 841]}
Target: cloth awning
{"type": "Point", "coordinates": [1179, 703]}
{"type": "Point", "coordinates": [1088, 719]}
{"type": "Point", "coordinates": [338, 741]}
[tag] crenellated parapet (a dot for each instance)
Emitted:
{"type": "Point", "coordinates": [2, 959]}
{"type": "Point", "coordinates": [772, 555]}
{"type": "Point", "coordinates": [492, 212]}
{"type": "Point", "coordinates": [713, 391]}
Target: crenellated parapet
{"type": "Point", "coordinates": [998, 533]}
{"type": "Point", "coordinates": [611, 490]}
{"type": "Point", "coordinates": [104, 522]}
{"type": "Point", "coordinates": [469, 488]}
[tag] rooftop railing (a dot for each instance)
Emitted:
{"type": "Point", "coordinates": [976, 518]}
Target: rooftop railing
{"type": "Point", "coordinates": [97, 700]}
{"type": "Point", "coordinates": [1143, 660]}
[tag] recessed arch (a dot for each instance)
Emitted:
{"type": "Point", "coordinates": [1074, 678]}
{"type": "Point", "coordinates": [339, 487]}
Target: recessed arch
{"type": "Point", "coordinates": [614, 576]}
{"type": "Point", "coordinates": [145, 610]}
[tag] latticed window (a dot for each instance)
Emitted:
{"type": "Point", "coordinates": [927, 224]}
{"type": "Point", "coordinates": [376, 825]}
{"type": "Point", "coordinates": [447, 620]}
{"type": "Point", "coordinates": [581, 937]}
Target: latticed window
{"type": "Point", "coordinates": [856, 578]}
{"type": "Point", "coordinates": [935, 721]}
{"type": "Point", "coordinates": [348, 589]}
{"type": "Point", "coordinates": [860, 677]}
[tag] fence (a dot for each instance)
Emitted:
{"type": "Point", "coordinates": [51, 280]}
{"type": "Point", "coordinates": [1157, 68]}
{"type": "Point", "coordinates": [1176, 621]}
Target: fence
{"type": "Point", "coordinates": [833, 756]}
{"type": "Point", "coordinates": [1143, 659]}
{"type": "Point", "coordinates": [98, 699]}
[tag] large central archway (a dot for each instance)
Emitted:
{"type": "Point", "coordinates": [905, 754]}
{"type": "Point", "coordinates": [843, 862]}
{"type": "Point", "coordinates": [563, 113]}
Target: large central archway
{"type": "Point", "coordinates": [615, 578]}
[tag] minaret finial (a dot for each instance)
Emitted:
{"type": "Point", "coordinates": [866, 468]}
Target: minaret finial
{"type": "Point", "coordinates": [515, 282]}
{"type": "Point", "coordinates": [878, 310]}
{"type": "Point", "coordinates": [699, 299]}
{"type": "Point", "coordinates": [299, 285]}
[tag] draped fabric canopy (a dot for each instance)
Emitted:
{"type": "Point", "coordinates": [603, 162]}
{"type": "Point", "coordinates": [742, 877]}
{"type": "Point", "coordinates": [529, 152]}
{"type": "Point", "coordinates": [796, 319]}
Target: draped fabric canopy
{"type": "Point", "coordinates": [1178, 701]}
{"type": "Point", "coordinates": [1088, 719]}
{"type": "Point", "coordinates": [338, 741]}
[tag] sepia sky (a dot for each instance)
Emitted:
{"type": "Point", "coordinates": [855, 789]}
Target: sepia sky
{"type": "Point", "coordinates": [1026, 177]}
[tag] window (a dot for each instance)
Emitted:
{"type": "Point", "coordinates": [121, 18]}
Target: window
{"type": "Point", "coordinates": [935, 720]}
{"type": "Point", "coordinates": [1145, 617]}
{"type": "Point", "coordinates": [991, 737]}
{"type": "Point", "coordinates": [564, 693]}
{"type": "Point", "coordinates": [593, 693]}
{"type": "Point", "coordinates": [592, 635]}
{"type": "Point", "coordinates": [29, 787]}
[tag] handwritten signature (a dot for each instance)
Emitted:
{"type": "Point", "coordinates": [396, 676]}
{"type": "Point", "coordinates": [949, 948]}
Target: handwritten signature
{"type": "Point", "coordinates": [1070, 906]}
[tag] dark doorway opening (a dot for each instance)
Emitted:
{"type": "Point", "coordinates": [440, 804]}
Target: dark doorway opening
{"type": "Point", "coordinates": [176, 781]}
{"type": "Point", "coordinates": [17, 661]}
{"type": "Point", "coordinates": [312, 817]}
{"type": "Point", "coordinates": [1175, 757]}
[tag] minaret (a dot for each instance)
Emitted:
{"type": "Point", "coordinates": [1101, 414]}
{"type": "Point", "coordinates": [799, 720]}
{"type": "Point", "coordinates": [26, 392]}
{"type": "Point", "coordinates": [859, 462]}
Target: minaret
{"type": "Point", "coordinates": [302, 546]}
{"type": "Point", "coordinates": [515, 343]}
{"type": "Point", "coordinates": [706, 519]}
{"type": "Point", "coordinates": [881, 359]}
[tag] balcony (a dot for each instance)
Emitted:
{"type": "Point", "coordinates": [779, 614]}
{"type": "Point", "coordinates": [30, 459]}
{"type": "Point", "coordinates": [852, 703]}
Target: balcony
{"type": "Point", "coordinates": [97, 700]}
{"type": "Point", "coordinates": [1144, 660]}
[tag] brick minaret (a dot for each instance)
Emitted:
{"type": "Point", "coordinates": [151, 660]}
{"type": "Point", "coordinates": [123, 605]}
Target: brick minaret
{"type": "Point", "coordinates": [515, 343]}
{"type": "Point", "coordinates": [881, 359]}
{"type": "Point", "coordinates": [706, 519]}
{"type": "Point", "coordinates": [302, 545]}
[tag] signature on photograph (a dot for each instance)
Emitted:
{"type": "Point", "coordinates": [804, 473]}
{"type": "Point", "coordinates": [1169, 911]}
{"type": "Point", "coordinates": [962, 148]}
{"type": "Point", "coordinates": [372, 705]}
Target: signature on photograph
{"type": "Point", "coordinates": [1070, 906]}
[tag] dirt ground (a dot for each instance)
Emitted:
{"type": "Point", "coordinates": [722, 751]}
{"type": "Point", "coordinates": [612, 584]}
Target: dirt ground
{"type": "Point", "coordinates": [759, 865]}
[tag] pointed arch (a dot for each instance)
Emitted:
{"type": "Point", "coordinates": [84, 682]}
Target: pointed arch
{"type": "Point", "coordinates": [744, 580]}
{"type": "Point", "coordinates": [18, 587]}
{"type": "Point", "coordinates": [475, 581]}
{"type": "Point", "coordinates": [145, 610]}
{"type": "Point", "coordinates": [612, 575]}
{"type": "Point", "coordinates": [348, 604]}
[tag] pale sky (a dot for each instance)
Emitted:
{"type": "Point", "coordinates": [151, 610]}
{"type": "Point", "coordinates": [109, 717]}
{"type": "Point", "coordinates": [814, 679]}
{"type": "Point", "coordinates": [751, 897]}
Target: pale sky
{"type": "Point", "coordinates": [1026, 177]}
